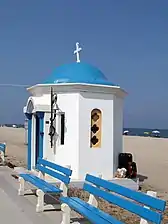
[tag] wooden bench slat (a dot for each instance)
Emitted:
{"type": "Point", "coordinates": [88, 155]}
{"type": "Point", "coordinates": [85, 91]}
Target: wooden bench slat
{"type": "Point", "coordinates": [30, 179]}
{"type": "Point", "coordinates": [54, 166]}
{"type": "Point", "coordinates": [49, 185]}
{"type": "Point", "coordinates": [53, 173]}
{"type": "Point", "coordinates": [140, 197]}
{"type": "Point", "coordinates": [90, 215]}
{"type": "Point", "coordinates": [139, 210]}
{"type": "Point", "coordinates": [97, 211]}
{"type": "Point", "coordinates": [42, 184]}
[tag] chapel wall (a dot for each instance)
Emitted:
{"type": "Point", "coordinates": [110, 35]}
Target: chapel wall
{"type": "Point", "coordinates": [96, 160]}
{"type": "Point", "coordinates": [66, 153]}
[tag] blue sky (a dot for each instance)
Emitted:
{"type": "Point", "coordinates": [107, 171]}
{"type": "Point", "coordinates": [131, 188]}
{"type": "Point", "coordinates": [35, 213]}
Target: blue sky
{"type": "Point", "coordinates": [127, 40]}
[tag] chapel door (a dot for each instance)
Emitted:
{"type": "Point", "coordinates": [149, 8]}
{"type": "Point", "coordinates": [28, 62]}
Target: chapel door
{"type": "Point", "coordinates": [37, 139]}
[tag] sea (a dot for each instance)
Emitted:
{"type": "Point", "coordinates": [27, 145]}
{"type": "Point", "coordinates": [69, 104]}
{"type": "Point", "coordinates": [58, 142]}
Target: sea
{"type": "Point", "coordinates": [144, 131]}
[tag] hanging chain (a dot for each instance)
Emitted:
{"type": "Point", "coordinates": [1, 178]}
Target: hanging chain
{"type": "Point", "coordinates": [53, 116]}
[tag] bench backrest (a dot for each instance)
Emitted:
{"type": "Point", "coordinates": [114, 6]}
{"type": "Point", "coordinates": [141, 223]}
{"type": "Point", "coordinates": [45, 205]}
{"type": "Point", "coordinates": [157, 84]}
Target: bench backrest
{"type": "Point", "coordinates": [2, 147]}
{"type": "Point", "coordinates": [54, 170]}
{"type": "Point", "coordinates": [101, 188]}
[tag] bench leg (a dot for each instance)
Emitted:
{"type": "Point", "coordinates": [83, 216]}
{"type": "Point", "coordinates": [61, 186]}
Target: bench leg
{"type": "Point", "coordinates": [21, 186]}
{"type": "Point", "coordinates": [41, 175]}
{"type": "Point", "coordinates": [40, 201]}
{"type": "Point", "coordinates": [66, 219]}
{"type": "Point", "coordinates": [92, 201]}
{"type": "Point", "coordinates": [64, 189]}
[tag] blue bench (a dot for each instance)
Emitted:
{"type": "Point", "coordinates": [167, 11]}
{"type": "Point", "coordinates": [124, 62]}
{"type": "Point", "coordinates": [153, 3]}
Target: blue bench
{"type": "Point", "coordinates": [2, 151]}
{"type": "Point", "coordinates": [43, 187]}
{"type": "Point", "coordinates": [123, 197]}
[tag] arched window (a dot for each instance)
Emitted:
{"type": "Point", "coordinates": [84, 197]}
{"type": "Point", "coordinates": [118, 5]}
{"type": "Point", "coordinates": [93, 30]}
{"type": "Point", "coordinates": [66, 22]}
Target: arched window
{"type": "Point", "coordinates": [30, 107]}
{"type": "Point", "coordinates": [96, 128]}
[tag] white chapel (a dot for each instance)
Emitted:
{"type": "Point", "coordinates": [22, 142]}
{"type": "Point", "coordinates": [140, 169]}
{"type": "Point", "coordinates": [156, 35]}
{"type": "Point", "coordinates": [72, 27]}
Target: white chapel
{"type": "Point", "coordinates": [86, 132]}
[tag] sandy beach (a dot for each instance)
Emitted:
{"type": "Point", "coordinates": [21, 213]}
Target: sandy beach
{"type": "Point", "coordinates": [151, 154]}
{"type": "Point", "coordinates": [16, 149]}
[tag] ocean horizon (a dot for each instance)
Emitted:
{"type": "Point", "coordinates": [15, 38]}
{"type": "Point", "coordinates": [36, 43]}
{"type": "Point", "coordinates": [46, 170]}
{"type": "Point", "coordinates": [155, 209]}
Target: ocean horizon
{"type": "Point", "coordinates": [141, 131]}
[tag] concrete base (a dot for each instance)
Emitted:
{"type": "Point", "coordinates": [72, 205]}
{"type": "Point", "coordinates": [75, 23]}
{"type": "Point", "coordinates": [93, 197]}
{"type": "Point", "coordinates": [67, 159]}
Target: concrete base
{"type": "Point", "coordinates": [125, 182]}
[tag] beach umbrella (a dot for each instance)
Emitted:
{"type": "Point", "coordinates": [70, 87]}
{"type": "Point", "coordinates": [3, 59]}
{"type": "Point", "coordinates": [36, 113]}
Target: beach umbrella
{"type": "Point", "coordinates": [126, 132]}
{"type": "Point", "coordinates": [156, 132]}
{"type": "Point", "coordinates": [146, 132]}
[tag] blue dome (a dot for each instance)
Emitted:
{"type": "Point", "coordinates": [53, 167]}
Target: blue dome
{"type": "Point", "coordinates": [78, 73]}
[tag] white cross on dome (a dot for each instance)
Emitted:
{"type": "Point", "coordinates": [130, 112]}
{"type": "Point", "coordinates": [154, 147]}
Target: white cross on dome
{"type": "Point", "coordinates": [78, 49]}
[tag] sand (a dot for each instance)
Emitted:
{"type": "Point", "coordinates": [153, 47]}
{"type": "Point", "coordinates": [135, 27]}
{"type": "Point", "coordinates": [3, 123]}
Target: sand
{"type": "Point", "coordinates": [151, 154]}
{"type": "Point", "coordinates": [16, 149]}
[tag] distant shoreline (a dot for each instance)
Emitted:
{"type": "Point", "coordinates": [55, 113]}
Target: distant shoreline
{"type": "Point", "coordinates": [145, 132]}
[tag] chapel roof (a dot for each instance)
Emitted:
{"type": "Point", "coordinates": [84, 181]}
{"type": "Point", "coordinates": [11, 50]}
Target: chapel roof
{"type": "Point", "coordinates": [78, 73]}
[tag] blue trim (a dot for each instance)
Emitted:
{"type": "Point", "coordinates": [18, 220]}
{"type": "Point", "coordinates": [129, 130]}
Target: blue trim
{"type": "Point", "coordinates": [41, 133]}
{"type": "Point", "coordinates": [29, 116]}
{"type": "Point", "coordinates": [2, 147]}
